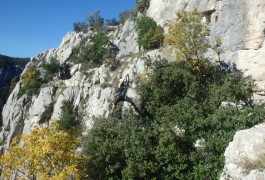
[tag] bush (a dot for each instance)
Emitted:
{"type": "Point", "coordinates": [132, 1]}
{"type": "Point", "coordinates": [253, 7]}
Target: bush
{"type": "Point", "coordinates": [149, 147]}
{"type": "Point", "coordinates": [142, 6]}
{"type": "Point", "coordinates": [95, 20]}
{"type": "Point", "coordinates": [46, 154]}
{"type": "Point", "coordinates": [177, 97]}
{"type": "Point", "coordinates": [50, 68]}
{"type": "Point", "coordinates": [187, 40]}
{"type": "Point", "coordinates": [80, 27]}
{"type": "Point", "coordinates": [94, 53]}
{"type": "Point", "coordinates": [97, 49]}
{"type": "Point", "coordinates": [150, 35]}
{"type": "Point", "coordinates": [68, 119]}
{"type": "Point", "coordinates": [31, 82]}
{"type": "Point", "coordinates": [111, 22]}
{"type": "Point", "coordinates": [124, 16]}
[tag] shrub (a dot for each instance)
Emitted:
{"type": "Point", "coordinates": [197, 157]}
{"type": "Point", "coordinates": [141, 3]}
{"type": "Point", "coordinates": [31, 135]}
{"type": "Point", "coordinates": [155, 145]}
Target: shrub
{"type": "Point", "coordinates": [148, 147]}
{"type": "Point", "coordinates": [68, 119]}
{"type": "Point", "coordinates": [150, 35]}
{"type": "Point", "coordinates": [46, 154]}
{"type": "Point", "coordinates": [124, 16]}
{"type": "Point", "coordinates": [95, 20]}
{"type": "Point", "coordinates": [80, 27]}
{"type": "Point", "coordinates": [31, 82]}
{"type": "Point", "coordinates": [111, 22]}
{"type": "Point", "coordinates": [142, 6]}
{"type": "Point", "coordinates": [50, 68]}
{"type": "Point", "coordinates": [186, 38]}
{"type": "Point", "coordinates": [93, 54]}
{"type": "Point", "coordinates": [178, 95]}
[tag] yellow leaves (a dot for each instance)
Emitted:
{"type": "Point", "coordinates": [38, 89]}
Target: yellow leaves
{"type": "Point", "coordinates": [186, 35]}
{"type": "Point", "coordinates": [144, 76]}
{"type": "Point", "coordinates": [30, 74]}
{"type": "Point", "coordinates": [46, 153]}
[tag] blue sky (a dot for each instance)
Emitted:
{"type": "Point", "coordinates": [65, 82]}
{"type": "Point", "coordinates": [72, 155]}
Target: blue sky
{"type": "Point", "coordinates": [28, 27]}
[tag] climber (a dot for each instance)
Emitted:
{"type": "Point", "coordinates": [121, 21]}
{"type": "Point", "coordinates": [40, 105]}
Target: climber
{"type": "Point", "coordinates": [121, 96]}
{"type": "Point", "coordinates": [64, 71]}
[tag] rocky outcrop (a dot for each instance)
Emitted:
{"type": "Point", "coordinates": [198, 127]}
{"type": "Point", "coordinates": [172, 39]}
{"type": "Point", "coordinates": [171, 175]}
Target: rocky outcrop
{"type": "Point", "coordinates": [245, 152]}
{"type": "Point", "coordinates": [9, 69]}
{"type": "Point", "coordinates": [239, 24]}
{"type": "Point", "coordinates": [90, 90]}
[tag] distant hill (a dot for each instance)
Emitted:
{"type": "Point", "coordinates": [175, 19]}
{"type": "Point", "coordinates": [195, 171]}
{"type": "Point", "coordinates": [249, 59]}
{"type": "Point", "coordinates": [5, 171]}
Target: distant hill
{"type": "Point", "coordinates": [13, 61]}
{"type": "Point", "coordinates": [10, 68]}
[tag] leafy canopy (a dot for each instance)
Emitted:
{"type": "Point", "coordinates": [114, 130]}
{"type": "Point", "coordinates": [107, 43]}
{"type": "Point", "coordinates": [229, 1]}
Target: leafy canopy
{"type": "Point", "coordinates": [187, 40]}
{"type": "Point", "coordinates": [181, 103]}
{"type": "Point", "coordinates": [68, 120]}
{"type": "Point", "coordinates": [45, 154]}
{"type": "Point", "coordinates": [51, 68]}
{"type": "Point", "coordinates": [150, 35]}
{"type": "Point", "coordinates": [31, 82]}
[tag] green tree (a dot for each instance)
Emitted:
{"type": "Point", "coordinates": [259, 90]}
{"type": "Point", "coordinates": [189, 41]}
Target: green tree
{"type": "Point", "coordinates": [151, 146]}
{"type": "Point", "coordinates": [31, 82]}
{"type": "Point", "coordinates": [181, 102]}
{"type": "Point", "coordinates": [142, 6]}
{"type": "Point", "coordinates": [94, 52]}
{"type": "Point", "coordinates": [124, 16]}
{"type": "Point", "coordinates": [69, 117]}
{"type": "Point", "coordinates": [111, 22]}
{"type": "Point", "coordinates": [150, 35]}
{"type": "Point", "coordinates": [95, 20]}
{"type": "Point", "coordinates": [50, 68]}
{"type": "Point", "coordinates": [186, 37]}
{"type": "Point", "coordinates": [80, 27]}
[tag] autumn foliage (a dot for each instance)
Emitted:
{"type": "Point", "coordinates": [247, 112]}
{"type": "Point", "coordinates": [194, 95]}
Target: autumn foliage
{"type": "Point", "coordinates": [187, 39]}
{"type": "Point", "coordinates": [45, 154]}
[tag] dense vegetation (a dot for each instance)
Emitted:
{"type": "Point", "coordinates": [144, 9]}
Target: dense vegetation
{"type": "Point", "coordinates": [184, 128]}
{"type": "Point", "coordinates": [150, 35]}
{"type": "Point", "coordinates": [50, 69]}
{"type": "Point", "coordinates": [47, 154]}
{"type": "Point", "coordinates": [99, 50]}
{"type": "Point", "coordinates": [69, 117]}
{"type": "Point", "coordinates": [34, 77]}
{"type": "Point", "coordinates": [184, 125]}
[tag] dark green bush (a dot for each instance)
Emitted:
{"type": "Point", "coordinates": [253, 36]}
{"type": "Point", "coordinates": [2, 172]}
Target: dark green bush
{"type": "Point", "coordinates": [142, 6]}
{"type": "Point", "coordinates": [95, 20]}
{"type": "Point", "coordinates": [95, 51]}
{"type": "Point", "coordinates": [69, 117]}
{"type": "Point", "coordinates": [111, 22]}
{"type": "Point", "coordinates": [94, 54]}
{"type": "Point", "coordinates": [150, 35]}
{"type": "Point", "coordinates": [147, 147]}
{"type": "Point", "coordinates": [124, 16]}
{"type": "Point", "coordinates": [80, 27]}
{"type": "Point", "coordinates": [50, 68]}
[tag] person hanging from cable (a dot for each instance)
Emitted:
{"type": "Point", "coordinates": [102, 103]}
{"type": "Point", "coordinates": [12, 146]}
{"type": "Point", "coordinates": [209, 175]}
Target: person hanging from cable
{"type": "Point", "coordinates": [121, 96]}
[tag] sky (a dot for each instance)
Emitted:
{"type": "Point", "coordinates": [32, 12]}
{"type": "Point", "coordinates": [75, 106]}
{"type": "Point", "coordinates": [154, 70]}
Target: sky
{"type": "Point", "coordinates": [29, 27]}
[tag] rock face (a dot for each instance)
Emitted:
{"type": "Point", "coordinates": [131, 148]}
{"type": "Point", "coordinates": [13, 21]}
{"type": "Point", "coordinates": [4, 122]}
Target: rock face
{"type": "Point", "coordinates": [9, 68]}
{"type": "Point", "coordinates": [246, 149]}
{"type": "Point", "coordinates": [239, 24]}
{"type": "Point", "coordinates": [90, 90]}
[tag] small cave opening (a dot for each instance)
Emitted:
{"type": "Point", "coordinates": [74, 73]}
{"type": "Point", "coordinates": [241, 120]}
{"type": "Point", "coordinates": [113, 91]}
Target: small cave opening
{"type": "Point", "coordinates": [208, 16]}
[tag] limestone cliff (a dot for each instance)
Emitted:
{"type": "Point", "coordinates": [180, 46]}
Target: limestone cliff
{"type": "Point", "coordinates": [240, 25]}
